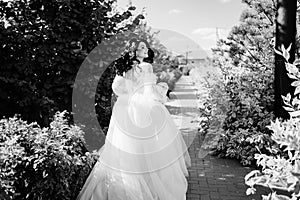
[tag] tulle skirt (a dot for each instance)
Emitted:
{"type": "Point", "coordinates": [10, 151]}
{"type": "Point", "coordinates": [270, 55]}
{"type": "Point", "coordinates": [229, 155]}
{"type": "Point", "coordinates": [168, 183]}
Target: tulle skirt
{"type": "Point", "coordinates": [144, 156]}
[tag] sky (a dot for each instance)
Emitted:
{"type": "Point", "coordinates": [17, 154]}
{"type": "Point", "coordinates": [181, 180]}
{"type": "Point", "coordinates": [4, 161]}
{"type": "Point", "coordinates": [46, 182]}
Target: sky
{"type": "Point", "coordinates": [187, 25]}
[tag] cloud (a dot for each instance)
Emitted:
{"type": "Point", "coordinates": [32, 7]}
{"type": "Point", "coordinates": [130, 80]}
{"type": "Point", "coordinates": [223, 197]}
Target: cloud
{"type": "Point", "coordinates": [211, 33]}
{"type": "Point", "coordinates": [175, 11]}
{"type": "Point", "coordinates": [225, 1]}
{"type": "Point", "coordinates": [203, 31]}
{"type": "Point", "coordinates": [176, 39]}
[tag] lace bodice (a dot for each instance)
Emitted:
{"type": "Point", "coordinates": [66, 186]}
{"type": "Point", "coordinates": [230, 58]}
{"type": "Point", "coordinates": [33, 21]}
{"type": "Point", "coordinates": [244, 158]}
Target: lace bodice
{"type": "Point", "coordinates": [140, 80]}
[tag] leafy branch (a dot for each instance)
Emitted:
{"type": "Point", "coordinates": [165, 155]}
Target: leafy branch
{"type": "Point", "coordinates": [282, 172]}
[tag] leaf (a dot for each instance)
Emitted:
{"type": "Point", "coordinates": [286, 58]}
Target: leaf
{"type": "Point", "coordinates": [296, 101]}
{"type": "Point", "coordinates": [286, 55]}
{"type": "Point", "coordinates": [278, 52]}
{"type": "Point", "coordinates": [288, 97]}
{"type": "Point", "coordinates": [289, 48]}
{"type": "Point", "coordinates": [264, 197]}
{"type": "Point", "coordinates": [279, 197]}
{"type": "Point", "coordinates": [285, 52]}
{"type": "Point", "coordinates": [296, 62]}
{"type": "Point", "coordinates": [250, 191]}
{"type": "Point", "coordinates": [296, 83]}
{"type": "Point", "coordinates": [295, 113]}
{"type": "Point", "coordinates": [297, 91]}
{"type": "Point", "coordinates": [282, 48]}
{"type": "Point", "coordinates": [289, 109]}
{"type": "Point", "coordinates": [250, 174]}
{"type": "Point", "coordinates": [292, 76]}
{"type": "Point", "coordinates": [292, 69]}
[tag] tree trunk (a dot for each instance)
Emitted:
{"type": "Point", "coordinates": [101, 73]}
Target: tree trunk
{"type": "Point", "coordinates": [286, 35]}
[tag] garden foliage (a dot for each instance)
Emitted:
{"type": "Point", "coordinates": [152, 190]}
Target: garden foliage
{"type": "Point", "coordinates": [213, 102]}
{"type": "Point", "coordinates": [246, 61]}
{"type": "Point", "coordinates": [42, 163]}
{"type": "Point", "coordinates": [282, 173]}
{"type": "Point", "coordinates": [43, 44]}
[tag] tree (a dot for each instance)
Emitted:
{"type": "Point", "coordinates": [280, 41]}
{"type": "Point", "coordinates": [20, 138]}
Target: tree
{"type": "Point", "coordinates": [43, 44]}
{"type": "Point", "coordinates": [285, 35]}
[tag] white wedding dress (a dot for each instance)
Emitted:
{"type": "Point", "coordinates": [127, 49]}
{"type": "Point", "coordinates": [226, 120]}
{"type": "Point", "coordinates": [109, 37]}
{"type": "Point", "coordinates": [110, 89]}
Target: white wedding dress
{"type": "Point", "coordinates": [144, 156]}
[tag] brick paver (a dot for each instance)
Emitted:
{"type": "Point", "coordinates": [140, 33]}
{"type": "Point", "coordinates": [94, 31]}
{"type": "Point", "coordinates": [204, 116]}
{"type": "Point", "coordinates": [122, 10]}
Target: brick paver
{"type": "Point", "coordinates": [210, 177]}
{"type": "Point", "coordinates": [214, 178]}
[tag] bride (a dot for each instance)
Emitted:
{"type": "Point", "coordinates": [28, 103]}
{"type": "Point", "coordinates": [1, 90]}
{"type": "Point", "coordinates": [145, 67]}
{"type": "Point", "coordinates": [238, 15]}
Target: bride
{"type": "Point", "coordinates": [144, 156]}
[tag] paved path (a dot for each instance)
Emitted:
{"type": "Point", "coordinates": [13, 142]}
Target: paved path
{"type": "Point", "coordinates": [211, 178]}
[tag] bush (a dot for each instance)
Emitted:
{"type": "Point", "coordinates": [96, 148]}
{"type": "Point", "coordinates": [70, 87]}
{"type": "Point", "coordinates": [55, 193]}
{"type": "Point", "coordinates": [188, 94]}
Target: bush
{"type": "Point", "coordinates": [246, 60]}
{"type": "Point", "coordinates": [42, 163]}
{"type": "Point", "coordinates": [213, 104]}
{"type": "Point", "coordinates": [249, 112]}
{"type": "Point", "coordinates": [167, 74]}
{"type": "Point", "coordinates": [282, 172]}
{"type": "Point", "coordinates": [235, 106]}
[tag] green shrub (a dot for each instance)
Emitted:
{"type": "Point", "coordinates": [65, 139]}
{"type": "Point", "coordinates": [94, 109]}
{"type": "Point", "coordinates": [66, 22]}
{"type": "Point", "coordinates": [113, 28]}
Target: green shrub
{"type": "Point", "coordinates": [282, 172]}
{"type": "Point", "coordinates": [213, 103]}
{"type": "Point", "coordinates": [246, 60]}
{"type": "Point", "coordinates": [42, 163]}
{"type": "Point", "coordinates": [279, 173]}
{"type": "Point", "coordinates": [249, 111]}
{"type": "Point", "coordinates": [167, 74]}
{"type": "Point", "coordinates": [238, 103]}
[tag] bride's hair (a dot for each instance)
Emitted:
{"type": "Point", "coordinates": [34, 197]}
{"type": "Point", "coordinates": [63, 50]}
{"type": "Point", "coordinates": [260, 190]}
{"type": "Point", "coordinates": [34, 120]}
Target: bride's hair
{"type": "Point", "coordinates": [128, 58]}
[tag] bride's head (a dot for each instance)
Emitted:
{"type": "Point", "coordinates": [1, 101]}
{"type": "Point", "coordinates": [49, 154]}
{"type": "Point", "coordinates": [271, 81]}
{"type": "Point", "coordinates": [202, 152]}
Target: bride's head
{"type": "Point", "coordinates": [136, 51]}
{"type": "Point", "coordinates": [140, 50]}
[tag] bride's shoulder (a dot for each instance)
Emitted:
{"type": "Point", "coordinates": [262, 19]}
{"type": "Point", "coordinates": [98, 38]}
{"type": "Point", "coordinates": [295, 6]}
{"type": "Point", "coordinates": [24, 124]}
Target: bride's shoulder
{"type": "Point", "coordinates": [146, 67]}
{"type": "Point", "coordinates": [145, 64]}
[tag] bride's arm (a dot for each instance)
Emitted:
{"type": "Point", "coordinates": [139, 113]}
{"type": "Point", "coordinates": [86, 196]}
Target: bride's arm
{"type": "Point", "coordinates": [119, 86]}
{"type": "Point", "coordinates": [156, 91]}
